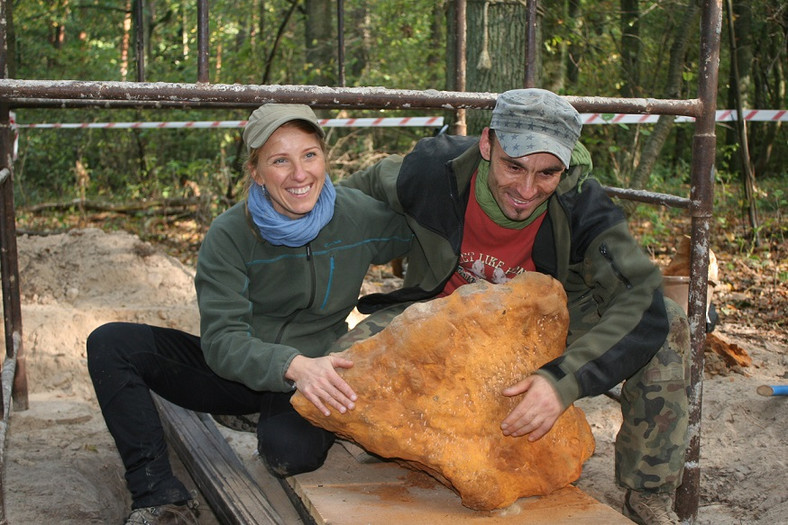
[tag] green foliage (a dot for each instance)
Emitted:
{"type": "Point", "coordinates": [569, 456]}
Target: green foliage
{"type": "Point", "coordinates": [393, 43]}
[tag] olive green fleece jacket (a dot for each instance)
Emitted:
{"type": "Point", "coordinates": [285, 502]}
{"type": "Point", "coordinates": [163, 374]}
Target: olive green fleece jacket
{"type": "Point", "coordinates": [261, 305]}
{"type": "Point", "coordinates": [617, 312]}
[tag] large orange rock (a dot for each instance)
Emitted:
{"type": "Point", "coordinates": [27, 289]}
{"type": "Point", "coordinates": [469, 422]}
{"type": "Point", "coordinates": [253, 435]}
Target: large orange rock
{"type": "Point", "coordinates": [429, 392]}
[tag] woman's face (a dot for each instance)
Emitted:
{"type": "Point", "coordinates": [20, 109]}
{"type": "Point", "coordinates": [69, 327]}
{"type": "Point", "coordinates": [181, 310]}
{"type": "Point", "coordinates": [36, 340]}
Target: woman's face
{"type": "Point", "coordinates": [292, 167]}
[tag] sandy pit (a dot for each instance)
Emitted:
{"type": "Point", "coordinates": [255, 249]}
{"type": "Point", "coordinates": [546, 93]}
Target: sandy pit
{"type": "Point", "coordinates": [62, 467]}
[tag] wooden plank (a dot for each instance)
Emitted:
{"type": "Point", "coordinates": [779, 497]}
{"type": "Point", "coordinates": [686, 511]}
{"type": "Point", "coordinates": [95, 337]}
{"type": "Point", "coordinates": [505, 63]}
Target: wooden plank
{"type": "Point", "coordinates": [234, 496]}
{"type": "Point", "coordinates": [346, 491]}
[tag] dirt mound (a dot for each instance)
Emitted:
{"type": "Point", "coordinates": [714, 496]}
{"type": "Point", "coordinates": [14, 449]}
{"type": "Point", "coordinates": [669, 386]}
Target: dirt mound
{"type": "Point", "coordinates": [62, 466]}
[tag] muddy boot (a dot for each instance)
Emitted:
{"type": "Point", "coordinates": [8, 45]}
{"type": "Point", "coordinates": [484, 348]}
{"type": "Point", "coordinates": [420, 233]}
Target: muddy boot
{"type": "Point", "coordinates": [170, 514]}
{"type": "Point", "coordinates": [650, 508]}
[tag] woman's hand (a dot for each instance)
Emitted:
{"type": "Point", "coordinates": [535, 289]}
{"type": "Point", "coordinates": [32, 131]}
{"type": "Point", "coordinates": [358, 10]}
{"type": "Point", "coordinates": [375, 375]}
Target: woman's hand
{"type": "Point", "coordinates": [317, 379]}
{"type": "Point", "coordinates": [536, 412]}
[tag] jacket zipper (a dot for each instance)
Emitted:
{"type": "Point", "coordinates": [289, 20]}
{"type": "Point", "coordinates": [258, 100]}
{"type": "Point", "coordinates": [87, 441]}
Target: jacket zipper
{"type": "Point", "coordinates": [603, 250]}
{"type": "Point", "coordinates": [311, 262]}
{"type": "Point", "coordinates": [313, 272]}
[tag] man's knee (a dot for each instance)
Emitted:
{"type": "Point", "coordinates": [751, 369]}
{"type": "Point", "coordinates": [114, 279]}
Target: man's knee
{"type": "Point", "coordinates": [369, 326]}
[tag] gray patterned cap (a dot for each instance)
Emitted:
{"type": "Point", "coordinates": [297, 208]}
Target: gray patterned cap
{"type": "Point", "coordinates": [534, 120]}
{"type": "Point", "coordinates": [269, 117]}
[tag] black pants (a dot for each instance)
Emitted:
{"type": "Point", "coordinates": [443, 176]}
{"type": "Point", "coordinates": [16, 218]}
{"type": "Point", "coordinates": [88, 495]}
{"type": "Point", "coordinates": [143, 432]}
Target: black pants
{"type": "Point", "coordinates": [128, 360]}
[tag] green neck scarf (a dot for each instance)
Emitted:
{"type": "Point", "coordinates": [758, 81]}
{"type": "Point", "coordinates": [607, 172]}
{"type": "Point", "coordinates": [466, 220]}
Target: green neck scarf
{"type": "Point", "coordinates": [490, 206]}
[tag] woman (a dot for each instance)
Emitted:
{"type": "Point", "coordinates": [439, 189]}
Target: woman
{"type": "Point", "coordinates": [277, 274]}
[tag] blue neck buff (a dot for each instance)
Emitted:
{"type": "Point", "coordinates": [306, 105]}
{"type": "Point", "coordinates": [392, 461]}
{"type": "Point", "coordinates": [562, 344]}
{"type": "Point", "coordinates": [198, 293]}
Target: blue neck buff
{"type": "Point", "coordinates": [281, 230]}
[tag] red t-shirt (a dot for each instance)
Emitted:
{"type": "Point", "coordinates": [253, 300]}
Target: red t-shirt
{"type": "Point", "coordinates": [489, 251]}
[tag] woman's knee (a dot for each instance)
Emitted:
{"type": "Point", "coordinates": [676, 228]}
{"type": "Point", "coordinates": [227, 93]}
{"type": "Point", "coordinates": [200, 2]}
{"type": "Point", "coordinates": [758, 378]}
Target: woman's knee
{"type": "Point", "coordinates": [111, 341]}
{"type": "Point", "coordinates": [290, 451]}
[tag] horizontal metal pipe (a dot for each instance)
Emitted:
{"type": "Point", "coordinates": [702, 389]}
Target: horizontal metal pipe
{"type": "Point", "coordinates": [149, 94]}
{"type": "Point", "coordinates": [649, 196]}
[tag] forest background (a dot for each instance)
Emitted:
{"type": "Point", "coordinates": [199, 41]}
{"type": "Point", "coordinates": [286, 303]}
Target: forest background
{"type": "Point", "coordinates": [160, 178]}
{"type": "Point", "coordinates": [166, 185]}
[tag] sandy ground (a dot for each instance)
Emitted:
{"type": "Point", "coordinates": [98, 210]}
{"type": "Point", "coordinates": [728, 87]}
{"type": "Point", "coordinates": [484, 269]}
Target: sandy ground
{"type": "Point", "coordinates": [62, 467]}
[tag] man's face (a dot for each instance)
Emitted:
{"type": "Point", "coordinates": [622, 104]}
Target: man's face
{"type": "Point", "coordinates": [519, 185]}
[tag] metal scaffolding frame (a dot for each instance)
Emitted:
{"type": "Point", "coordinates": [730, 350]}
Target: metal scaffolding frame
{"type": "Point", "coordinates": [15, 93]}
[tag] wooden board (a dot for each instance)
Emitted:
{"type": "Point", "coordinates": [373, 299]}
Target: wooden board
{"type": "Point", "coordinates": [351, 489]}
{"type": "Point", "coordinates": [235, 497]}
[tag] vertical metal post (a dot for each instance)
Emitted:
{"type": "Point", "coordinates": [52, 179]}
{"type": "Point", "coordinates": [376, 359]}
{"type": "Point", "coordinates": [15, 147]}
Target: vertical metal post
{"type": "Point", "coordinates": [3, 40]}
{"type": "Point", "coordinates": [3, 74]}
{"type": "Point", "coordinates": [531, 7]}
{"type": "Point", "coordinates": [9, 263]}
{"type": "Point", "coordinates": [341, 43]}
{"type": "Point", "coordinates": [701, 207]}
{"type": "Point", "coordinates": [139, 20]}
{"type": "Point", "coordinates": [461, 63]}
{"type": "Point", "coordinates": [203, 40]}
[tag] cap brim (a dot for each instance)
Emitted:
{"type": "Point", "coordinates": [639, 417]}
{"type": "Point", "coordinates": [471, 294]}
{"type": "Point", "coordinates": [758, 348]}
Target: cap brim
{"type": "Point", "coordinates": [513, 145]}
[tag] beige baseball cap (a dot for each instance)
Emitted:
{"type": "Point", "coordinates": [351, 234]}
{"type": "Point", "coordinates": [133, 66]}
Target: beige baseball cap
{"type": "Point", "coordinates": [269, 117]}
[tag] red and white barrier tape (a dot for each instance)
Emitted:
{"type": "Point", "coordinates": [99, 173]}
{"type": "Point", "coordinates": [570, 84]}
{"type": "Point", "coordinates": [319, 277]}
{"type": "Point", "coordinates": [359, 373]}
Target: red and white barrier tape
{"type": "Point", "coordinates": [326, 123]}
{"type": "Point", "coordinates": [724, 115]}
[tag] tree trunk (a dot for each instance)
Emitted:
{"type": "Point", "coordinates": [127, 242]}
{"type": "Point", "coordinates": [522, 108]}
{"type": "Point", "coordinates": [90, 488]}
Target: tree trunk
{"type": "Point", "coordinates": [659, 134]}
{"type": "Point", "coordinates": [748, 177]}
{"type": "Point", "coordinates": [495, 51]}
{"type": "Point", "coordinates": [629, 23]}
{"type": "Point", "coordinates": [57, 34]}
{"type": "Point", "coordinates": [440, 13]}
{"type": "Point", "coordinates": [218, 52]}
{"type": "Point", "coordinates": [8, 68]}
{"type": "Point", "coordinates": [572, 59]}
{"type": "Point", "coordinates": [630, 48]}
{"type": "Point", "coordinates": [769, 81]}
{"type": "Point", "coordinates": [125, 42]}
{"type": "Point", "coordinates": [186, 23]}
{"type": "Point", "coordinates": [320, 42]}
{"type": "Point", "coordinates": [275, 45]}
{"type": "Point", "coordinates": [358, 51]}
{"type": "Point", "coordinates": [741, 51]}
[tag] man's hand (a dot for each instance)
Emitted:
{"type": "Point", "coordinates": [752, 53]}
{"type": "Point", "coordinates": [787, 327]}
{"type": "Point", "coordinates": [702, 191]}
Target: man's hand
{"type": "Point", "coordinates": [536, 412]}
{"type": "Point", "coordinates": [317, 379]}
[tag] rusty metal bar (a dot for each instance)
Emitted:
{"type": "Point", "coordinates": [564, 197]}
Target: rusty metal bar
{"type": "Point", "coordinates": [139, 19]}
{"type": "Point", "coordinates": [702, 197]}
{"type": "Point", "coordinates": [4, 18]}
{"type": "Point", "coordinates": [651, 197]}
{"type": "Point", "coordinates": [151, 94]}
{"type": "Point", "coordinates": [9, 265]}
{"type": "Point", "coordinates": [341, 43]}
{"type": "Point", "coordinates": [531, 7]}
{"type": "Point", "coordinates": [460, 61]}
{"type": "Point", "coordinates": [203, 40]}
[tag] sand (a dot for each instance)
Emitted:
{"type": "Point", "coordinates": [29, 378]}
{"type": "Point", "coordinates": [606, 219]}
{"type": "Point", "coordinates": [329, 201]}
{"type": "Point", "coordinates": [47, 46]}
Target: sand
{"type": "Point", "coordinates": [61, 465]}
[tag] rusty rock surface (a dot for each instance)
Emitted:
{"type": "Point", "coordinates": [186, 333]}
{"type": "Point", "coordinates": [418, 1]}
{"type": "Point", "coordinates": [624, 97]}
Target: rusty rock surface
{"type": "Point", "coordinates": [429, 392]}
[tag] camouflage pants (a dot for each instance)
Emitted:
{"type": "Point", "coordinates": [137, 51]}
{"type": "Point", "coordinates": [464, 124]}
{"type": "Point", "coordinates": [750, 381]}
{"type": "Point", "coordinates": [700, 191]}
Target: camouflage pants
{"type": "Point", "coordinates": [651, 444]}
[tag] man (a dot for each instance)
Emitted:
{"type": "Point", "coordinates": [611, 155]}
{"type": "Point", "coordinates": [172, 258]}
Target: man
{"type": "Point", "coordinates": [520, 198]}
